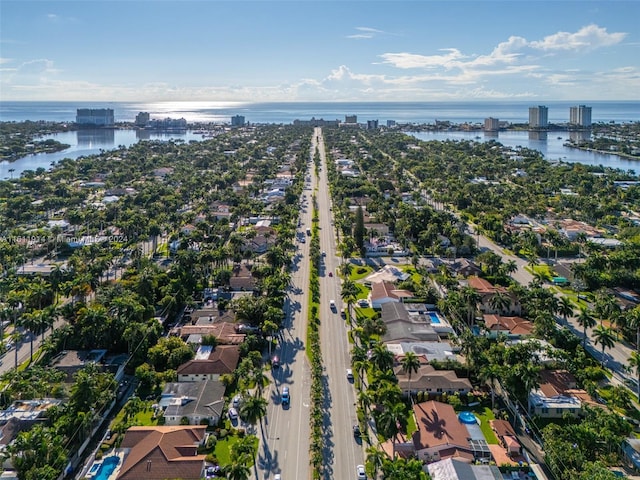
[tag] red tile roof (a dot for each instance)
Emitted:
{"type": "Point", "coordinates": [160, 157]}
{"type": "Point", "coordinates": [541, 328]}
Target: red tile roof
{"type": "Point", "coordinates": [438, 425]}
{"type": "Point", "coordinates": [162, 452]}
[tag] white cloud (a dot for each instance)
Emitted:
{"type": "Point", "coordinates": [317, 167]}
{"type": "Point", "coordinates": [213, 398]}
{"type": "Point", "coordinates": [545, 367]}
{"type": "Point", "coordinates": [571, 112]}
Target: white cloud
{"type": "Point", "coordinates": [411, 60]}
{"type": "Point", "coordinates": [367, 32]}
{"type": "Point", "coordinates": [587, 38]}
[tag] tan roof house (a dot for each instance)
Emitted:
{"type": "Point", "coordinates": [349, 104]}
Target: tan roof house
{"type": "Point", "coordinates": [435, 382]}
{"type": "Point", "coordinates": [160, 452]}
{"type": "Point", "coordinates": [385, 292]}
{"type": "Point", "coordinates": [209, 363]}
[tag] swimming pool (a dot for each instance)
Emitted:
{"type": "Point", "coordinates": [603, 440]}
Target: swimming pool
{"type": "Point", "coordinates": [434, 318]}
{"type": "Point", "coordinates": [467, 417]}
{"type": "Point", "coordinates": [107, 467]}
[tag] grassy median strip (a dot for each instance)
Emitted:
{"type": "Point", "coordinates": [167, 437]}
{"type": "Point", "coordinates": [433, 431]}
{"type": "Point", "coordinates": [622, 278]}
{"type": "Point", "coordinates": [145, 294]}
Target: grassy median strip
{"type": "Point", "coordinates": [316, 446]}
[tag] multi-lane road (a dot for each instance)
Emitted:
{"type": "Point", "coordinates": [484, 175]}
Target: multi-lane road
{"type": "Point", "coordinates": [285, 437]}
{"type": "Point", "coordinates": [342, 452]}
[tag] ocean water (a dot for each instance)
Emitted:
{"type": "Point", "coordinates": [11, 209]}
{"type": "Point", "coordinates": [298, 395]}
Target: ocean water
{"type": "Point", "coordinates": [285, 113]}
{"type": "Point", "coordinates": [88, 142]}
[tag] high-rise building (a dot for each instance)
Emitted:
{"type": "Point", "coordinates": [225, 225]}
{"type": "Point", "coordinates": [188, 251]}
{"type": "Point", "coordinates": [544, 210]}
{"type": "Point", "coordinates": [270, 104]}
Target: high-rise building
{"type": "Point", "coordinates": [580, 116]}
{"type": "Point", "coordinates": [372, 124]}
{"type": "Point", "coordinates": [350, 119]}
{"type": "Point", "coordinates": [491, 124]}
{"type": "Point", "coordinates": [237, 121]}
{"type": "Point", "coordinates": [538, 117]}
{"type": "Point", "coordinates": [95, 117]}
{"type": "Point", "coordinates": [142, 119]}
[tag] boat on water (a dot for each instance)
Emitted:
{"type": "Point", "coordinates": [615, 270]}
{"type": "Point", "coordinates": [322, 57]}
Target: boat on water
{"type": "Point", "coordinates": [559, 138]}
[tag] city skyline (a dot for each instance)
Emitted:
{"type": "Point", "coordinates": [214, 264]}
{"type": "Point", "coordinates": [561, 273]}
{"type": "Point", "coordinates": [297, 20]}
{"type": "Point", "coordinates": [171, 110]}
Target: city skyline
{"type": "Point", "coordinates": [266, 51]}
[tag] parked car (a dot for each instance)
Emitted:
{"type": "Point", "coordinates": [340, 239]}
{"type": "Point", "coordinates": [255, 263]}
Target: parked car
{"type": "Point", "coordinates": [332, 305]}
{"type": "Point", "coordinates": [275, 361]}
{"type": "Point", "coordinates": [233, 413]}
{"type": "Point", "coordinates": [236, 401]}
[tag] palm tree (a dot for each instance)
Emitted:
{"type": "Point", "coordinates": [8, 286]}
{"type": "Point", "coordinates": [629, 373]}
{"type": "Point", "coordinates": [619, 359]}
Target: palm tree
{"type": "Point", "coordinates": [529, 375]}
{"type": "Point", "coordinates": [634, 363]}
{"type": "Point", "coordinates": [500, 301]}
{"type": "Point", "coordinates": [410, 364]}
{"type": "Point", "coordinates": [237, 471]}
{"type": "Point", "coordinates": [585, 320]}
{"type": "Point", "coordinates": [382, 357]}
{"type": "Point", "coordinates": [605, 337]}
{"type": "Point", "coordinates": [375, 458]}
{"type": "Point", "coordinates": [490, 373]}
{"type": "Point", "coordinates": [565, 308]}
{"type": "Point", "coordinates": [253, 410]}
{"type": "Point", "coordinates": [471, 298]}
{"type": "Point", "coordinates": [390, 422]}
{"type": "Point", "coordinates": [349, 293]}
{"type": "Point", "coordinates": [633, 322]}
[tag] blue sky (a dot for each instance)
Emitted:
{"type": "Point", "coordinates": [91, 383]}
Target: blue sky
{"type": "Point", "coordinates": [260, 51]}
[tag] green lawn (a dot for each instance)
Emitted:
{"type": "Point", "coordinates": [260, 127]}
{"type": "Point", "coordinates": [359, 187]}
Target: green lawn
{"type": "Point", "coordinates": [485, 414]}
{"type": "Point", "coordinates": [223, 447]}
{"type": "Point", "coordinates": [143, 418]}
{"type": "Point", "coordinates": [365, 270]}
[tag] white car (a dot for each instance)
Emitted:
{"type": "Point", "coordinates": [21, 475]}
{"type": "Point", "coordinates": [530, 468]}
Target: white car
{"type": "Point", "coordinates": [349, 374]}
{"type": "Point", "coordinates": [233, 414]}
{"type": "Point", "coordinates": [360, 473]}
{"type": "Point", "coordinates": [277, 476]}
{"type": "Point", "coordinates": [236, 401]}
{"type": "Point", "coordinates": [332, 304]}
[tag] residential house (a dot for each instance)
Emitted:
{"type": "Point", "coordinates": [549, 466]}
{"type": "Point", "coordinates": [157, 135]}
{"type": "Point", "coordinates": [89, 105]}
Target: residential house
{"type": "Point", "coordinates": [456, 469]}
{"type": "Point", "coordinates": [428, 379]}
{"type": "Point", "coordinates": [506, 435]}
{"type": "Point", "coordinates": [558, 395]}
{"type": "Point", "coordinates": [440, 434]}
{"type": "Point", "coordinates": [209, 363]}
{"type": "Point", "coordinates": [198, 402]}
{"type": "Point", "coordinates": [487, 291]}
{"type": "Point", "coordinates": [403, 327]}
{"type": "Point", "coordinates": [512, 327]}
{"type": "Point", "coordinates": [385, 292]}
{"type": "Point", "coordinates": [242, 279]}
{"type": "Point", "coordinates": [465, 267]}
{"type": "Point", "coordinates": [224, 332]}
{"type": "Point", "coordinates": [160, 452]}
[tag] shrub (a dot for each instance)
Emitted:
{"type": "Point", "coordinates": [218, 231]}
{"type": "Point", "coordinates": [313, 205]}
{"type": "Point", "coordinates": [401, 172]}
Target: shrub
{"type": "Point", "coordinates": [223, 433]}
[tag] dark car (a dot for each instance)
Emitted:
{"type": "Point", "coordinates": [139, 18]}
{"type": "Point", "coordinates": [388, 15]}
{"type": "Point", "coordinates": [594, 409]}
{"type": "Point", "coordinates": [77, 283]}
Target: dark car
{"type": "Point", "coordinates": [356, 430]}
{"type": "Point", "coordinates": [275, 361]}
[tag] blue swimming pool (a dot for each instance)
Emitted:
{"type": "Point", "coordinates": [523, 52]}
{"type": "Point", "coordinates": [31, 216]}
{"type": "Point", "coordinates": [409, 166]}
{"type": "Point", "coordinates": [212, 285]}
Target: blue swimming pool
{"type": "Point", "coordinates": [107, 467]}
{"type": "Point", "coordinates": [467, 417]}
{"type": "Point", "coordinates": [434, 317]}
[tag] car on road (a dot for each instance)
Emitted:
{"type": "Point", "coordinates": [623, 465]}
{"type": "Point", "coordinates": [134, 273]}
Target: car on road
{"type": "Point", "coordinates": [233, 413]}
{"type": "Point", "coordinates": [360, 473]}
{"type": "Point", "coordinates": [285, 397]}
{"type": "Point", "coordinates": [277, 476]}
{"type": "Point", "coordinates": [324, 254]}
{"type": "Point", "coordinates": [356, 430]}
{"type": "Point", "coordinates": [331, 274]}
{"type": "Point", "coordinates": [275, 361]}
{"type": "Point", "coordinates": [349, 374]}
{"type": "Point", "coordinates": [332, 304]}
